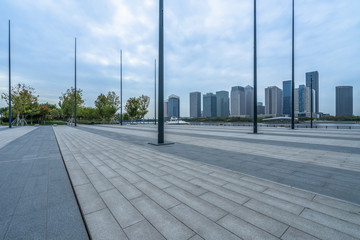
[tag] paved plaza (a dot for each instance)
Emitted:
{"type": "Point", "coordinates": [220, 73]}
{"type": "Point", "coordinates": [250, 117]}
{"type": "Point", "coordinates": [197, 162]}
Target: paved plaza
{"type": "Point", "coordinates": [36, 197]}
{"type": "Point", "coordinates": [213, 183]}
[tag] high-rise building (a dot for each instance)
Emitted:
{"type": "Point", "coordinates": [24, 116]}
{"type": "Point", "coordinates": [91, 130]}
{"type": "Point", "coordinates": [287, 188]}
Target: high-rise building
{"type": "Point", "coordinates": [302, 98]}
{"type": "Point", "coordinates": [344, 101]}
{"type": "Point", "coordinates": [173, 106]}
{"type": "Point", "coordinates": [296, 100]}
{"type": "Point", "coordinates": [286, 97]}
{"type": "Point", "coordinates": [209, 105]}
{"type": "Point", "coordinates": [273, 101]}
{"type": "Point", "coordinates": [260, 108]}
{"type": "Point", "coordinates": [249, 101]}
{"type": "Point", "coordinates": [195, 104]}
{"type": "Point", "coordinates": [314, 77]}
{"type": "Point", "coordinates": [237, 101]}
{"type": "Point", "coordinates": [166, 102]}
{"type": "Point", "coordinates": [222, 104]}
{"type": "Point", "coordinates": [308, 100]}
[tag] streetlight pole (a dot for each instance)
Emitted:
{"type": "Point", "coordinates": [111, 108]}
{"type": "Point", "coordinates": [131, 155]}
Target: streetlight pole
{"type": "Point", "coordinates": [161, 73]}
{"type": "Point", "coordinates": [293, 69]}
{"type": "Point", "coordinates": [161, 141]}
{"type": "Point", "coordinates": [121, 97]}
{"type": "Point", "coordinates": [311, 102]}
{"type": "Point", "coordinates": [75, 85]}
{"type": "Point", "coordinates": [10, 118]}
{"type": "Point", "coordinates": [255, 73]}
{"type": "Point", "coordinates": [155, 93]}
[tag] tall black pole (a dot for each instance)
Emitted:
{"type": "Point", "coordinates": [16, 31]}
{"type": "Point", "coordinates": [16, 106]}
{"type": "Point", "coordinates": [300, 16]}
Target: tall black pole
{"type": "Point", "coordinates": [121, 106]}
{"type": "Point", "coordinates": [293, 70]}
{"type": "Point", "coordinates": [75, 85]}
{"type": "Point", "coordinates": [10, 118]}
{"type": "Point", "coordinates": [155, 94]}
{"type": "Point", "coordinates": [255, 73]}
{"type": "Point", "coordinates": [311, 102]}
{"type": "Point", "coordinates": [161, 73]}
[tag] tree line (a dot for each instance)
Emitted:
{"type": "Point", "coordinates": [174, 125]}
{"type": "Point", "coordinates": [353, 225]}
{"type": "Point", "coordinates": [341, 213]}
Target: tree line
{"type": "Point", "coordinates": [25, 105]}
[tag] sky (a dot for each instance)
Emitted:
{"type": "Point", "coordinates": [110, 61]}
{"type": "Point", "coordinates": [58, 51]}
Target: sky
{"type": "Point", "coordinates": [208, 46]}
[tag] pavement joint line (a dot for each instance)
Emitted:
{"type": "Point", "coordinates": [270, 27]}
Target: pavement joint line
{"type": "Point", "coordinates": [72, 187]}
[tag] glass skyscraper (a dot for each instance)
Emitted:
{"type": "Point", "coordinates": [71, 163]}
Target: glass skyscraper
{"type": "Point", "coordinates": [209, 105]}
{"type": "Point", "coordinates": [344, 101]}
{"type": "Point", "coordinates": [173, 106]}
{"type": "Point", "coordinates": [195, 104]}
{"type": "Point", "coordinates": [249, 101]}
{"type": "Point", "coordinates": [286, 97]}
{"type": "Point", "coordinates": [222, 104]}
{"type": "Point", "coordinates": [302, 98]}
{"type": "Point", "coordinates": [314, 77]}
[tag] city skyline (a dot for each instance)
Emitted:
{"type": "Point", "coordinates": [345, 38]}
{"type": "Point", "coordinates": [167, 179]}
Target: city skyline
{"type": "Point", "coordinates": [197, 56]}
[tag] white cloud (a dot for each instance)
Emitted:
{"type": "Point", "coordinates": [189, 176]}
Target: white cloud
{"type": "Point", "coordinates": [208, 45]}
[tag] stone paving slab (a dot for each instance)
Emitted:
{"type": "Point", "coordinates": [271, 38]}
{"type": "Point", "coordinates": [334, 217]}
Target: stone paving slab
{"type": "Point", "coordinates": [131, 190]}
{"type": "Point", "coordinates": [330, 173]}
{"type": "Point", "coordinates": [36, 197]}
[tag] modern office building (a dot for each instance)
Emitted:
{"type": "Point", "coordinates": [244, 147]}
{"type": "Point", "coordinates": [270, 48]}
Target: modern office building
{"type": "Point", "coordinates": [195, 104]}
{"type": "Point", "coordinates": [344, 101]}
{"type": "Point", "coordinates": [308, 100]}
{"type": "Point", "coordinates": [286, 98]}
{"type": "Point", "coordinates": [314, 78]}
{"type": "Point", "coordinates": [260, 108]}
{"type": "Point", "coordinates": [296, 101]}
{"type": "Point", "coordinates": [249, 101]}
{"type": "Point", "coordinates": [166, 102]}
{"type": "Point", "coordinates": [273, 104]}
{"type": "Point", "coordinates": [209, 105]}
{"type": "Point", "coordinates": [173, 106]}
{"type": "Point", "coordinates": [237, 101]}
{"type": "Point", "coordinates": [222, 104]}
{"type": "Point", "coordinates": [303, 95]}
{"type": "Point", "coordinates": [302, 98]}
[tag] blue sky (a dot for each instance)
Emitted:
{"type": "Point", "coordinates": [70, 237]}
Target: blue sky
{"type": "Point", "coordinates": [208, 46]}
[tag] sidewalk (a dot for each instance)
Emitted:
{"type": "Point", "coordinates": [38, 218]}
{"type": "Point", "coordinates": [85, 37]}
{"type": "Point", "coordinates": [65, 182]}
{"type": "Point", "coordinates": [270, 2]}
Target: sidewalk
{"type": "Point", "coordinates": [130, 190]}
{"type": "Point", "coordinates": [36, 198]}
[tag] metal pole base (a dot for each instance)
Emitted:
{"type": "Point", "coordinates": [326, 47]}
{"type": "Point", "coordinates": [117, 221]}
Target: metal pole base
{"type": "Point", "coordinates": [162, 144]}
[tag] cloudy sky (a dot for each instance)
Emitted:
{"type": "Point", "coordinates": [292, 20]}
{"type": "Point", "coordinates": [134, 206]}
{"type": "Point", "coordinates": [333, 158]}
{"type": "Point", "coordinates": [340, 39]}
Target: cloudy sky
{"type": "Point", "coordinates": [208, 46]}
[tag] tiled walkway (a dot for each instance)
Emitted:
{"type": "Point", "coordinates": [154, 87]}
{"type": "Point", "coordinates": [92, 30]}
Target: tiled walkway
{"type": "Point", "coordinates": [36, 198]}
{"type": "Point", "coordinates": [130, 190]}
{"type": "Point", "coordinates": [308, 159]}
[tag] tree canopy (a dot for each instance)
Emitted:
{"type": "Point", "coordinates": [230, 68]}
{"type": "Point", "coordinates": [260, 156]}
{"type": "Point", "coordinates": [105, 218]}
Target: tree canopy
{"type": "Point", "coordinates": [23, 100]}
{"type": "Point", "coordinates": [137, 108]}
{"type": "Point", "coordinates": [106, 106]}
{"type": "Point", "coordinates": [67, 102]}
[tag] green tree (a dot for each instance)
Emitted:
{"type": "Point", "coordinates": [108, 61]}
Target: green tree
{"type": "Point", "coordinates": [54, 113]}
{"type": "Point", "coordinates": [136, 108]}
{"type": "Point", "coordinates": [107, 106]}
{"type": "Point", "coordinates": [143, 106]}
{"type": "Point", "coordinates": [88, 113]}
{"type": "Point", "coordinates": [33, 111]}
{"type": "Point", "coordinates": [23, 98]}
{"type": "Point", "coordinates": [44, 112]}
{"type": "Point", "coordinates": [67, 102]}
{"type": "Point", "coordinates": [132, 108]}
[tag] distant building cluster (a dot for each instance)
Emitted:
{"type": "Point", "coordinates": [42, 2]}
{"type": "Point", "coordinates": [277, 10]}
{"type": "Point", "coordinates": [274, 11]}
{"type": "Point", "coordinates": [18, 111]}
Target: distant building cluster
{"type": "Point", "coordinates": [278, 102]}
{"type": "Point", "coordinates": [172, 107]}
